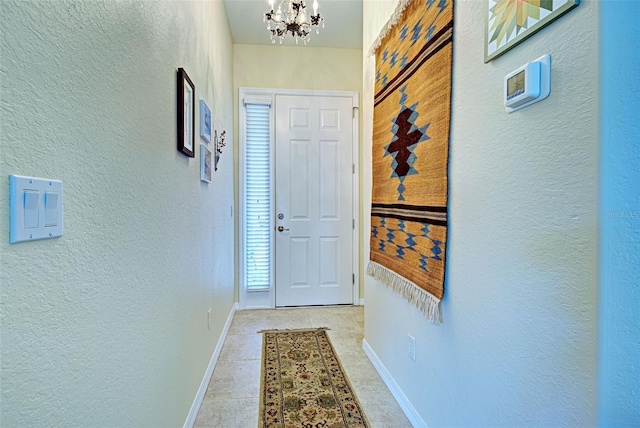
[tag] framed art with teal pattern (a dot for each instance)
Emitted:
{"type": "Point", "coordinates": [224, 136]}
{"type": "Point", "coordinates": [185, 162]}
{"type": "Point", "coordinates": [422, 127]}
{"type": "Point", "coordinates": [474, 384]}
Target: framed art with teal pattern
{"type": "Point", "coordinates": [205, 121]}
{"type": "Point", "coordinates": [508, 22]}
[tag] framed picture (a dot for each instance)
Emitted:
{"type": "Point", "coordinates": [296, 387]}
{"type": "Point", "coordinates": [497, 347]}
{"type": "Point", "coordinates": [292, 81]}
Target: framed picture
{"type": "Point", "coordinates": [186, 114]}
{"type": "Point", "coordinates": [508, 22]}
{"type": "Point", "coordinates": [205, 122]}
{"type": "Point", "coordinates": [205, 164]}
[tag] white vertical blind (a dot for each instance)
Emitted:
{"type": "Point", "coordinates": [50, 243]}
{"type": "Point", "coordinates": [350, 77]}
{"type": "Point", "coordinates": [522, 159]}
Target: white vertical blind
{"type": "Point", "coordinates": [257, 193]}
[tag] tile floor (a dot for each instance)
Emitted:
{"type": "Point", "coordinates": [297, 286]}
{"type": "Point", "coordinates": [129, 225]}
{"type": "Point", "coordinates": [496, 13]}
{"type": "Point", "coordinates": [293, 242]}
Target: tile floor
{"type": "Point", "coordinates": [231, 400]}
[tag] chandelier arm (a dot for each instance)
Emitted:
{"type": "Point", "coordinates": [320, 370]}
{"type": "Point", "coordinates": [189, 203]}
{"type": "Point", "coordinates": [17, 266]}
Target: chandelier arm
{"type": "Point", "coordinates": [292, 18]}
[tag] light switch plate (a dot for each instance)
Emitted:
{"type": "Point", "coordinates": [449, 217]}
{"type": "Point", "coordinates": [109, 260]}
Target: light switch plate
{"type": "Point", "coordinates": [29, 220]}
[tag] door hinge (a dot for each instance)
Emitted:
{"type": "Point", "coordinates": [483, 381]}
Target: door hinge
{"type": "Point", "coordinates": [353, 223]}
{"type": "Point", "coordinates": [353, 112]}
{"type": "Point", "coordinates": [353, 168]}
{"type": "Point", "coordinates": [353, 278]}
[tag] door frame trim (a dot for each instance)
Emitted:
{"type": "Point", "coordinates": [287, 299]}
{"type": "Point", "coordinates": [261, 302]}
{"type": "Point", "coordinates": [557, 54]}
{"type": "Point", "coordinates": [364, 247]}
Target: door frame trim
{"type": "Point", "coordinates": [267, 299]}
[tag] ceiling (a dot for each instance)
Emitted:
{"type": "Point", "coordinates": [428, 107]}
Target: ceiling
{"type": "Point", "coordinates": [342, 19]}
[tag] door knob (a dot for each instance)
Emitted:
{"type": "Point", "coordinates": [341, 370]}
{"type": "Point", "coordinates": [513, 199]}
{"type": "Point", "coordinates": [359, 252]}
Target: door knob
{"type": "Point", "coordinates": [281, 229]}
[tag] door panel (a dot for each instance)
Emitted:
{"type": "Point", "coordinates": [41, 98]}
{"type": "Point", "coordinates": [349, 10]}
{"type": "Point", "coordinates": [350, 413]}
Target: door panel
{"type": "Point", "coordinates": [300, 258]}
{"type": "Point", "coordinates": [313, 188]}
{"type": "Point", "coordinates": [299, 179]}
{"type": "Point", "coordinates": [329, 176]}
{"type": "Point", "coordinates": [330, 260]}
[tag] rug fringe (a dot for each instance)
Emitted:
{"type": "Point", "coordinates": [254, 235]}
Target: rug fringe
{"type": "Point", "coordinates": [421, 299]}
{"type": "Point", "coordinates": [397, 14]}
{"type": "Point", "coordinates": [269, 330]}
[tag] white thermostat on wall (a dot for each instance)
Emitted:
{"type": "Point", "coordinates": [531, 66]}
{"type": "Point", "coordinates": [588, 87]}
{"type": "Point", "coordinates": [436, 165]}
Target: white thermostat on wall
{"type": "Point", "coordinates": [528, 84]}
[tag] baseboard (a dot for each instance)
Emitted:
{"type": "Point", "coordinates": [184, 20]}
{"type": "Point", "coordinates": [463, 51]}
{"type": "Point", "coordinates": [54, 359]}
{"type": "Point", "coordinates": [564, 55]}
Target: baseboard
{"type": "Point", "coordinates": [397, 393]}
{"type": "Point", "coordinates": [193, 412]}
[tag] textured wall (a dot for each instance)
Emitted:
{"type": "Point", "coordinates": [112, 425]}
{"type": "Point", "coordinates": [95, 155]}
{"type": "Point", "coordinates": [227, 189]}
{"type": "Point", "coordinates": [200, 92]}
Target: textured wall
{"type": "Point", "coordinates": [283, 67]}
{"type": "Point", "coordinates": [263, 66]}
{"type": "Point", "coordinates": [107, 326]}
{"type": "Point", "coordinates": [518, 343]}
{"type": "Point", "coordinates": [619, 386]}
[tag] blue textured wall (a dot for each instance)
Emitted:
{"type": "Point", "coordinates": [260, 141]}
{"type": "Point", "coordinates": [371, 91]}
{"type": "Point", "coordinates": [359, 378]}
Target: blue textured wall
{"type": "Point", "coordinates": [619, 362]}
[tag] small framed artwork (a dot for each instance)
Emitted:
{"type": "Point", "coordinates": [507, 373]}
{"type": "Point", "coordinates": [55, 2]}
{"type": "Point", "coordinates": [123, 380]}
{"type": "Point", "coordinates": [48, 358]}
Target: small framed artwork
{"type": "Point", "coordinates": [205, 164]}
{"type": "Point", "coordinates": [186, 114]}
{"type": "Point", "coordinates": [508, 22]}
{"type": "Point", "coordinates": [205, 122]}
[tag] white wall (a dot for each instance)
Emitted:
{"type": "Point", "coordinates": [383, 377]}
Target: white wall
{"type": "Point", "coordinates": [518, 342]}
{"type": "Point", "coordinates": [619, 358]}
{"type": "Point", "coordinates": [304, 67]}
{"type": "Point", "coordinates": [107, 325]}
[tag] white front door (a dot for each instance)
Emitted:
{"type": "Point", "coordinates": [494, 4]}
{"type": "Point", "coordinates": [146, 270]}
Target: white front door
{"type": "Point", "coordinates": [314, 203]}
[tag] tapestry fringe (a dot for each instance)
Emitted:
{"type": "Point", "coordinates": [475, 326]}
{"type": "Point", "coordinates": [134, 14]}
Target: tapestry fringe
{"type": "Point", "coordinates": [397, 14]}
{"type": "Point", "coordinates": [427, 303]}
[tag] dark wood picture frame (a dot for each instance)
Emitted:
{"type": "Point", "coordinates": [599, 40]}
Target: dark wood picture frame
{"type": "Point", "coordinates": [186, 114]}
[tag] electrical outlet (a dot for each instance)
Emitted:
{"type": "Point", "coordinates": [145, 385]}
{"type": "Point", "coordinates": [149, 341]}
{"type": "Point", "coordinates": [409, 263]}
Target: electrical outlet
{"type": "Point", "coordinates": [209, 319]}
{"type": "Point", "coordinates": [412, 347]}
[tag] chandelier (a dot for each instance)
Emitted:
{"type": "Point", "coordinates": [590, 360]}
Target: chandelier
{"type": "Point", "coordinates": [291, 17]}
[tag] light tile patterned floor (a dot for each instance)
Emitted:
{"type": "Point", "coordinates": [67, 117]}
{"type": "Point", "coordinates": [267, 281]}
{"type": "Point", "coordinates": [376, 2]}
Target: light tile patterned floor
{"type": "Point", "coordinates": [231, 400]}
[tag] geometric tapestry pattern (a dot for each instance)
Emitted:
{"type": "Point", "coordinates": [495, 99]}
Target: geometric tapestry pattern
{"type": "Point", "coordinates": [410, 152]}
{"type": "Point", "coordinates": [406, 136]}
{"type": "Point", "coordinates": [412, 35]}
{"type": "Point", "coordinates": [393, 235]}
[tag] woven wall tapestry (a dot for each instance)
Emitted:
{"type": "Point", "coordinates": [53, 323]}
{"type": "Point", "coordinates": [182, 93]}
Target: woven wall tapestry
{"type": "Point", "coordinates": [411, 118]}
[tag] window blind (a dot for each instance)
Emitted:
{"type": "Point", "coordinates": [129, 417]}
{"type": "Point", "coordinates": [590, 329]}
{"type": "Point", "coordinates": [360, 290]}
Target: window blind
{"type": "Point", "coordinates": [257, 193]}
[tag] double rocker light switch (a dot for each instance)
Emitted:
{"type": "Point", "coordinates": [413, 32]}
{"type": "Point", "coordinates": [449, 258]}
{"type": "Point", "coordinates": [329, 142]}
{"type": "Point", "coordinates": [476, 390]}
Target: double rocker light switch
{"type": "Point", "coordinates": [36, 208]}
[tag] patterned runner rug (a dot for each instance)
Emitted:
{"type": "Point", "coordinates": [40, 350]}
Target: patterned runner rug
{"type": "Point", "coordinates": [411, 117]}
{"type": "Point", "coordinates": [303, 383]}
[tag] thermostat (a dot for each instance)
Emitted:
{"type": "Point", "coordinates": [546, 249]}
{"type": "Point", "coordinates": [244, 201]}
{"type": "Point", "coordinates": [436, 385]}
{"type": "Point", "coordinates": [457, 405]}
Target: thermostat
{"type": "Point", "coordinates": [528, 84]}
